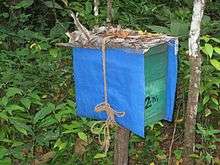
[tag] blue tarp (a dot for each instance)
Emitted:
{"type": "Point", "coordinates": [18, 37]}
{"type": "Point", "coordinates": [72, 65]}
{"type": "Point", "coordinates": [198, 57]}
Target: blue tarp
{"type": "Point", "coordinates": [125, 80]}
{"type": "Point", "coordinates": [171, 78]}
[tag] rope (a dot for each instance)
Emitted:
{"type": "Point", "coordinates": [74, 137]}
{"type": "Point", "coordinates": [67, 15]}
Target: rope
{"type": "Point", "coordinates": [105, 107]}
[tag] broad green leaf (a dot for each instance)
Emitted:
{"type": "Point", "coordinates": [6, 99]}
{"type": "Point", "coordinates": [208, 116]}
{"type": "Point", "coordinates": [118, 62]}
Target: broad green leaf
{"type": "Point", "coordinates": [99, 155]}
{"type": "Point", "coordinates": [3, 152]}
{"type": "Point", "coordinates": [71, 103]}
{"type": "Point", "coordinates": [44, 112]}
{"type": "Point", "coordinates": [217, 49]}
{"type": "Point", "coordinates": [212, 146]}
{"type": "Point", "coordinates": [73, 125]}
{"type": "Point", "coordinates": [57, 31]}
{"type": "Point", "coordinates": [205, 38]}
{"type": "Point", "coordinates": [28, 34]}
{"type": "Point", "coordinates": [161, 156]}
{"type": "Point", "coordinates": [54, 52]}
{"type": "Point", "coordinates": [48, 121]}
{"type": "Point", "coordinates": [6, 161]}
{"type": "Point", "coordinates": [208, 157]}
{"type": "Point", "coordinates": [71, 131]}
{"type": "Point", "coordinates": [21, 127]}
{"type": "Point", "coordinates": [26, 102]}
{"type": "Point", "coordinates": [215, 100]}
{"type": "Point", "coordinates": [83, 136]}
{"type": "Point", "coordinates": [64, 113]}
{"type": "Point", "coordinates": [58, 142]}
{"type": "Point", "coordinates": [205, 99]}
{"type": "Point", "coordinates": [178, 154]}
{"type": "Point", "coordinates": [24, 4]}
{"type": "Point", "coordinates": [199, 146]}
{"type": "Point", "coordinates": [17, 143]}
{"type": "Point", "coordinates": [13, 91]}
{"type": "Point", "coordinates": [215, 63]}
{"type": "Point", "coordinates": [61, 106]}
{"type": "Point", "coordinates": [207, 112]}
{"type": "Point", "coordinates": [4, 101]}
{"type": "Point", "coordinates": [65, 2]}
{"type": "Point", "coordinates": [4, 116]}
{"type": "Point", "coordinates": [16, 153]}
{"type": "Point", "coordinates": [194, 156]}
{"type": "Point", "coordinates": [14, 107]}
{"type": "Point", "coordinates": [35, 96]}
{"type": "Point", "coordinates": [214, 131]}
{"type": "Point", "coordinates": [208, 49]}
{"type": "Point", "coordinates": [61, 145]}
{"type": "Point", "coordinates": [5, 140]}
{"type": "Point", "coordinates": [88, 6]}
{"type": "Point", "coordinates": [159, 29]}
{"type": "Point", "coordinates": [51, 5]}
{"type": "Point", "coordinates": [5, 15]}
{"type": "Point", "coordinates": [216, 40]}
{"type": "Point", "coordinates": [179, 28]}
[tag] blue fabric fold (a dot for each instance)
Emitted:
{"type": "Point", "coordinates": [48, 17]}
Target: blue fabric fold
{"type": "Point", "coordinates": [125, 80]}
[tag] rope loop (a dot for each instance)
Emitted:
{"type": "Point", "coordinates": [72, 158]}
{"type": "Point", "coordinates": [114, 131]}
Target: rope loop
{"type": "Point", "coordinates": [106, 125]}
{"type": "Point", "coordinates": [105, 107]}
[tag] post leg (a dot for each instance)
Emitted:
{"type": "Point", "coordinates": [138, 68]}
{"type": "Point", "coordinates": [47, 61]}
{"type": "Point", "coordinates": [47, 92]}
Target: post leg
{"type": "Point", "coordinates": [121, 146]}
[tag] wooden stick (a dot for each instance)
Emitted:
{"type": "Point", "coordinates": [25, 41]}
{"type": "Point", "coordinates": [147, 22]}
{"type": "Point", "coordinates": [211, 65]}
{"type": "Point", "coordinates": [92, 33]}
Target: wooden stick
{"type": "Point", "coordinates": [96, 8]}
{"type": "Point", "coordinates": [109, 11]}
{"type": "Point", "coordinates": [173, 137]}
{"type": "Point", "coordinates": [44, 159]}
{"type": "Point", "coordinates": [80, 27]}
{"type": "Point", "coordinates": [121, 146]}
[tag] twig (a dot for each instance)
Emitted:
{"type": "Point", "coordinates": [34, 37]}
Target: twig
{"type": "Point", "coordinates": [109, 11]}
{"type": "Point", "coordinates": [80, 27]}
{"type": "Point", "coordinates": [44, 159]}
{"type": "Point", "coordinates": [96, 7]}
{"type": "Point", "coordinates": [173, 138]}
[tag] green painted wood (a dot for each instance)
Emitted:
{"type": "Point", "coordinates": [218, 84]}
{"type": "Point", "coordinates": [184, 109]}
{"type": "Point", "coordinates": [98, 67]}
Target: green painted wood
{"type": "Point", "coordinates": [155, 63]}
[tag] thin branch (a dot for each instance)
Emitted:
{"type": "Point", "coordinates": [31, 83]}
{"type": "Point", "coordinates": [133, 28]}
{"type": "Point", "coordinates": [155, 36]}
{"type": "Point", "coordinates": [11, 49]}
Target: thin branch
{"type": "Point", "coordinates": [96, 7]}
{"type": "Point", "coordinates": [80, 27]}
{"type": "Point", "coordinates": [109, 11]}
{"type": "Point", "coordinates": [173, 138]}
{"type": "Point", "coordinates": [44, 159]}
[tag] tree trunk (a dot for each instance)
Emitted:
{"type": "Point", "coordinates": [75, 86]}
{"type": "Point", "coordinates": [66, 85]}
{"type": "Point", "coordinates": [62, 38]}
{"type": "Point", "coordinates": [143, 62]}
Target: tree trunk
{"type": "Point", "coordinates": [109, 11]}
{"type": "Point", "coordinates": [194, 83]}
{"type": "Point", "coordinates": [121, 146]}
{"type": "Point", "coordinates": [96, 8]}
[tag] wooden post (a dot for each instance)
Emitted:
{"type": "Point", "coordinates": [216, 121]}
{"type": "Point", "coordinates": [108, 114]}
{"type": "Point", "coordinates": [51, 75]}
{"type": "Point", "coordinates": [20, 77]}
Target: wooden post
{"type": "Point", "coordinates": [194, 83]}
{"type": "Point", "coordinates": [96, 8]}
{"type": "Point", "coordinates": [109, 12]}
{"type": "Point", "coordinates": [121, 146]}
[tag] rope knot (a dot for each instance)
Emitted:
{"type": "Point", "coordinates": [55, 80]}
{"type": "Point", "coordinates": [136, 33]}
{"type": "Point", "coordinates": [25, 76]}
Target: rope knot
{"type": "Point", "coordinates": [109, 122]}
{"type": "Point", "coordinates": [105, 107]}
{"type": "Point", "coordinates": [111, 113]}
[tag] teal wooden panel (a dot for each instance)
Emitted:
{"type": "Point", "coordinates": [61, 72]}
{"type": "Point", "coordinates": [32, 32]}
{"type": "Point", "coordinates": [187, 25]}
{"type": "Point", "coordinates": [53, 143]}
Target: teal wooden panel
{"type": "Point", "coordinates": [155, 70]}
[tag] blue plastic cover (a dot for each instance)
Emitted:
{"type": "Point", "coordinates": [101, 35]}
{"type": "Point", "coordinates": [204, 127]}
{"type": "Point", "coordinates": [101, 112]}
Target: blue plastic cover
{"type": "Point", "coordinates": [125, 80]}
{"type": "Point", "coordinates": [171, 78]}
{"type": "Point", "coordinates": [125, 83]}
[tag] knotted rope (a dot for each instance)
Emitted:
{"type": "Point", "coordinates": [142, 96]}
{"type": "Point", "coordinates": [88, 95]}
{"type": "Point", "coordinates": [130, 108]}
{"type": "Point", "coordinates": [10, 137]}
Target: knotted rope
{"type": "Point", "coordinates": [105, 107]}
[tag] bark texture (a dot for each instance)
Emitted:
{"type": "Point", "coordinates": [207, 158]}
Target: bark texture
{"type": "Point", "coordinates": [121, 146]}
{"type": "Point", "coordinates": [109, 11]}
{"type": "Point", "coordinates": [96, 7]}
{"type": "Point", "coordinates": [194, 84]}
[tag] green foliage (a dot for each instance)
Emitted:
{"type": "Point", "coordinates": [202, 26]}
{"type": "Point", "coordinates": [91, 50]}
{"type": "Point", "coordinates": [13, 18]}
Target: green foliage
{"type": "Point", "coordinates": [37, 100]}
{"type": "Point", "coordinates": [211, 82]}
